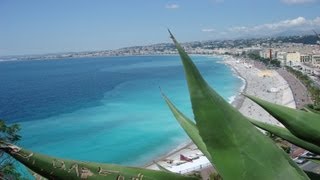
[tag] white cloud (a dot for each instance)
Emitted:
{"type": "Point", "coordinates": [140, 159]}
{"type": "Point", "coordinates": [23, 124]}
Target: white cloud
{"type": "Point", "coordinates": [172, 6]}
{"type": "Point", "coordinates": [208, 30]}
{"type": "Point", "coordinates": [239, 29]}
{"type": "Point", "coordinates": [316, 21]}
{"type": "Point", "coordinates": [299, 23]}
{"type": "Point", "coordinates": [297, 1]}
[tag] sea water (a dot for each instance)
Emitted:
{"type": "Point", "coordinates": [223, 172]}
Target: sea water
{"type": "Point", "coordinates": [104, 109]}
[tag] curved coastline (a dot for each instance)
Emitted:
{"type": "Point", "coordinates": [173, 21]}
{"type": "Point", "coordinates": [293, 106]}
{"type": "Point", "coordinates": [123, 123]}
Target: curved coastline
{"type": "Point", "coordinates": [238, 100]}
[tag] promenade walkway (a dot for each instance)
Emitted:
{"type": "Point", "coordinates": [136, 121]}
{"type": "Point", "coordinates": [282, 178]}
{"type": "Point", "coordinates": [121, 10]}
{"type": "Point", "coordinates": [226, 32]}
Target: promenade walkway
{"type": "Point", "coordinates": [300, 92]}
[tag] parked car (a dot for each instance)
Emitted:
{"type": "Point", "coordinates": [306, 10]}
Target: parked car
{"type": "Point", "coordinates": [300, 160]}
{"type": "Point", "coordinates": [308, 154]}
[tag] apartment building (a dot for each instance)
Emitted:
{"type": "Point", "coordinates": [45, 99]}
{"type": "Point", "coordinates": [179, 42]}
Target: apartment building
{"type": "Point", "coordinates": [293, 58]}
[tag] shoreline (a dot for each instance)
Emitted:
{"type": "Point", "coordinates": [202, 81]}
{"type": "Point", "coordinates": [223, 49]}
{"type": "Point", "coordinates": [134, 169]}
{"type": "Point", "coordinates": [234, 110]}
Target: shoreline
{"type": "Point", "coordinates": [263, 83]}
{"type": "Point", "coordinates": [266, 84]}
{"type": "Point", "coordinates": [103, 56]}
{"type": "Point", "coordinates": [185, 145]}
{"type": "Point", "coordinates": [239, 99]}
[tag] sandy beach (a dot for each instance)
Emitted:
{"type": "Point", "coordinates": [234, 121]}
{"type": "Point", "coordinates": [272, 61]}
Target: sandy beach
{"type": "Point", "coordinates": [266, 84]}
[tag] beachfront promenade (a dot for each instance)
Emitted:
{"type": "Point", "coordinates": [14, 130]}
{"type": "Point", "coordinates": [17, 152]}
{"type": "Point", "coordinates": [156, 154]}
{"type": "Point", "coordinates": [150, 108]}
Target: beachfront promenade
{"type": "Point", "coordinates": [260, 82]}
{"type": "Point", "coordinates": [300, 92]}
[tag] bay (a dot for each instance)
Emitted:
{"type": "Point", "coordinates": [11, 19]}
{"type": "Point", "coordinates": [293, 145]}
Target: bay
{"type": "Point", "coordinates": [103, 109]}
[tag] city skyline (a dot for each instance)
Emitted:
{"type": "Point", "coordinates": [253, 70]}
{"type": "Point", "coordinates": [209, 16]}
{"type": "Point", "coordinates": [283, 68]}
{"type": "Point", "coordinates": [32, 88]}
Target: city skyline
{"type": "Point", "coordinates": [37, 27]}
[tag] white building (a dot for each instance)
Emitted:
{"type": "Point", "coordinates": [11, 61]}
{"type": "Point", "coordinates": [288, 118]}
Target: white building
{"type": "Point", "coordinates": [282, 57]}
{"type": "Point", "coordinates": [316, 60]}
{"type": "Point", "coordinates": [293, 58]}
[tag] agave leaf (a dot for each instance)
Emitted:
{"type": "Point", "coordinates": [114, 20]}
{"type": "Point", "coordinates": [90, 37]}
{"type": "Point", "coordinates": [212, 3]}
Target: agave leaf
{"type": "Point", "coordinates": [54, 168]}
{"type": "Point", "coordinates": [237, 148]}
{"type": "Point", "coordinates": [189, 127]}
{"type": "Point", "coordinates": [285, 134]}
{"type": "Point", "coordinates": [305, 109]}
{"type": "Point", "coordinates": [304, 125]}
{"type": "Point", "coordinates": [310, 110]}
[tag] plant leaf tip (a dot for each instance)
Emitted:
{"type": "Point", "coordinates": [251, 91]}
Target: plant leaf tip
{"type": "Point", "coordinates": [171, 35]}
{"type": "Point", "coordinates": [162, 93]}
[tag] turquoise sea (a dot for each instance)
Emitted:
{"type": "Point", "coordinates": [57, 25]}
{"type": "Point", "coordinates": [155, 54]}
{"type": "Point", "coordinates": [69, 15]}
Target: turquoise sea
{"type": "Point", "coordinates": [106, 109]}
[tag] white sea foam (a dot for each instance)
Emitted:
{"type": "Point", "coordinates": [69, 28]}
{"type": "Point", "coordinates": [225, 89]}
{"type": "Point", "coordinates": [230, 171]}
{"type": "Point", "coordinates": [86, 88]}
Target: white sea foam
{"type": "Point", "coordinates": [231, 99]}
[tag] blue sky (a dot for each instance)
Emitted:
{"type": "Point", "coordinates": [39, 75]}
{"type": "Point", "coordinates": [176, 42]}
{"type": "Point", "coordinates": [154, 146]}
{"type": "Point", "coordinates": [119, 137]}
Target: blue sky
{"type": "Point", "coordinates": [39, 26]}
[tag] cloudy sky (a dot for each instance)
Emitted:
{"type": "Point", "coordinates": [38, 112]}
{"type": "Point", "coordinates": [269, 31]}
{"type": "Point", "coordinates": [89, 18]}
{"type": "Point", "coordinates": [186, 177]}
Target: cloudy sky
{"type": "Point", "coordinates": [37, 26]}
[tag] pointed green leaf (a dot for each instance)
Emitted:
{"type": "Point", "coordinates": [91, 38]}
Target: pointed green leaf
{"type": "Point", "coordinates": [237, 148]}
{"type": "Point", "coordinates": [304, 125]}
{"type": "Point", "coordinates": [189, 127]}
{"type": "Point", "coordinates": [54, 168]}
{"type": "Point", "coordinates": [311, 110]}
{"type": "Point", "coordinates": [306, 109]}
{"type": "Point", "coordinates": [285, 134]}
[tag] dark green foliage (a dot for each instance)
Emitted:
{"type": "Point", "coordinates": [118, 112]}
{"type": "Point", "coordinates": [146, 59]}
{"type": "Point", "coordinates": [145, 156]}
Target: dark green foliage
{"type": "Point", "coordinates": [8, 133]}
{"type": "Point", "coordinates": [312, 108]}
{"type": "Point", "coordinates": [215, 176]}
{"type": "Point", "coordinates": [9, 172]}
{"type": "Point", "coordinates": [312, 88]}
{"type": "Point", "coordinates": [266, 61]}
{"type": "Point", "coordinates": [275, 63]}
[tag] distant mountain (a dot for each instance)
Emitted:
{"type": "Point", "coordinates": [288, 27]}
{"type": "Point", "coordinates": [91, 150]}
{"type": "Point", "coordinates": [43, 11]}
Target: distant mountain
{"type": "Point", "coordinates": [287, 33]}
{"type": "Point", "coordinates": [296, 33]}
{"type": "Point", "coordinates": [306, 39]}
